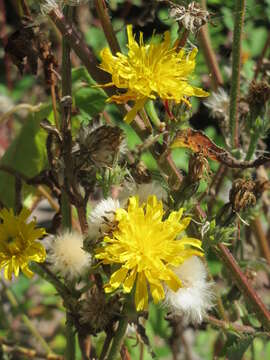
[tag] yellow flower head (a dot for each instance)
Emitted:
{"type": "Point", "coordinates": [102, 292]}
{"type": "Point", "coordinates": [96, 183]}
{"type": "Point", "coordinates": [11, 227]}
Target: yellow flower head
{"type": "Point", "coordinates": [18, 245]}
{"type": "Point", "coordinates": [146, 248]}
{"type": "Point", "coordinates": [149, 71]}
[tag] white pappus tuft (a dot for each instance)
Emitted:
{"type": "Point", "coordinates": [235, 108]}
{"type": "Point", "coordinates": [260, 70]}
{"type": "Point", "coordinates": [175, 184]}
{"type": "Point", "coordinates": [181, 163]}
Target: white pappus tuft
{"type": "Point", "coordinates": [101, 216]}
{"type": "Point", "coordinates": [218, 103]}
{"type": "Point", "coordinates": [67, 255]}
{"type": "Point", "coordinates": [195, 298]}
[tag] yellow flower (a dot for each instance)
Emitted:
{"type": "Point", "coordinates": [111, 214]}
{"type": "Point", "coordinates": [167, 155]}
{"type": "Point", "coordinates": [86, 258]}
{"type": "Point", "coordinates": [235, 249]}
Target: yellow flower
{"type": "Point", "coordinates": [18, 245]}
{"type": "Point", "coordinates": [147, 249]}
{"type": "Point", "coordinates": [149, 71]}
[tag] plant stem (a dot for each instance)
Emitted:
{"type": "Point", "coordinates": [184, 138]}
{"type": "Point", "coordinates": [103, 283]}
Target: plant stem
{"type": "Point", "coordinates": [229, 326]}
{"type": "Point", "coordinates": [79, 46]}
{"type": "Point", "coordinates": [70, 338]}
{"type": "Point", "coordinates": [66, 127]}
{"type": "Point", "coordinates": [209, 54]}
{"type": "Point", "coordinates": [210, 58]}
{"type": "Point", "coordinates": [66, 112]}
{"type": "Point", "coordinates": [242, 283]}
{"type": "Point", "coordinates": [236, 67]}
{"type": "Point", "coordinates": [118, 338]}
{"type": "Point", "coordinates": [151, 112]}
{"type": "Point", "coordinates": [254, 138]}
{"type": "Point", "coordinates": [107, 25]}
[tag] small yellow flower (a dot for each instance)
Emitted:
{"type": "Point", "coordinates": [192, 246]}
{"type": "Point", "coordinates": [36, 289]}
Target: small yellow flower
{"type": "Point", "coordinates": [147, 249]}
{"type": "Point", "coordinates": [149, 71]}
{"type": "Point", "coordinates": [18, 245]}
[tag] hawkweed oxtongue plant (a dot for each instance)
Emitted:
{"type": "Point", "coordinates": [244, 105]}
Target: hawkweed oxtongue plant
{"type": "Point", "coordinates": [143, 235]}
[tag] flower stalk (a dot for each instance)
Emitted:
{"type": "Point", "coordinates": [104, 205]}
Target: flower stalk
{"type": "Point", "coordinates": [236, 68]}
{"type": "Point", "coordinates": [241, 281]}
{"type": "Point", "coordinates": [102, 12]}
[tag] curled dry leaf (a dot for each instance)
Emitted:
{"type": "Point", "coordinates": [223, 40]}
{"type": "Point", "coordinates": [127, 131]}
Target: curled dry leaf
{"type": "Point", "coordinates": [198, 142]}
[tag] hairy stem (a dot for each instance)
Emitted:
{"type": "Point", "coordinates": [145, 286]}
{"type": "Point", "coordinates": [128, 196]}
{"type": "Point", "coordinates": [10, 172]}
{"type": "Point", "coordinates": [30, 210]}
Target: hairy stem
{"type": "Point", "coordinates": [118, 338]}
{"type": "Point", "coordinates": [236, 67]}
{"type": "Point", "coordinates": [66, 127]}
{"type": "Point", "coordinates": [242, 283]}
{"type": "Point", "coordinates": [107, 25]}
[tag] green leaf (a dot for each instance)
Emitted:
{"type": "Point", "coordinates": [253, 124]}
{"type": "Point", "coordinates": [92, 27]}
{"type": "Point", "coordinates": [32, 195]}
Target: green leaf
{"type": "Point", "coordinates": [237, 350]}
{"type": "Point", "coordinates": [89, 99]}
{"type": "Point", "coordinates": [26, 154]}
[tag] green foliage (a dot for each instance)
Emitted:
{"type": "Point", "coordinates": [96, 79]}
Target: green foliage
{"type": "Point", "coordinates": [236, 347]}
{"type": "Point", "coordinates": [26, 154]}
{"type": "Point", "coordinates": [89, 99]}
{"type": "Point", "coordinates": [215, 234]}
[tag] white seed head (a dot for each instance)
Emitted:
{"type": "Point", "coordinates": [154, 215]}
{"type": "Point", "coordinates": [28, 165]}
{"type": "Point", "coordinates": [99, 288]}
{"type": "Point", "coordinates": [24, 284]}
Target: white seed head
{"type": "Point", "coordinates": [218, 103]}
{"type": "Point", "coordinates": [67, 255]}
{"type": "Point", "coordinates": [101, 216]}
{"type": "Point", "coordinates": [195, 298]}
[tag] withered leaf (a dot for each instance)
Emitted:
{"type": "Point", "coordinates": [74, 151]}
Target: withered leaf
{"type": "Point", "coordinates": [198, 142]}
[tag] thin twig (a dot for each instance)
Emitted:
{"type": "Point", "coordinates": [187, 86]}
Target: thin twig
{"type": "Point", "coordinates": [225, 325]}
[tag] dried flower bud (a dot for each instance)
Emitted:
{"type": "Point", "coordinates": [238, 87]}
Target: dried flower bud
{"type": "Point", "coordinates": [198, 167]}
{"type": "Point", "coordinates": [258, 95]}
{"type": "Point", "coordinates": [96, 312]}
{"type": "Point", "coordinates": [242, 194]}
{"type": "Point", "coordinates": [140, 173]}
{"type": "Point", "coordinates": [192, 17]}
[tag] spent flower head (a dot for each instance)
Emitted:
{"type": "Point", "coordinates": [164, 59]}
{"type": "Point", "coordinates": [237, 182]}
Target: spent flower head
{"type": "Point", "coordinates": [192, 17]}
{"type": "Point", "coordinates": [150, 71]}
{"type": "Point", "coordinates": [18, 243]}
{"type": "Point", "coordinates": [195, 297]}
{"type": "Point", "coordinates": [67, 255]}
{"type": "Point", "coordinates": [146, 248]}
{"type": "Point", "coordinates": [218, 103]}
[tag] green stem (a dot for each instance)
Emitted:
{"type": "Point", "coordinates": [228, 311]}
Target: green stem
{"type": "Point", "coordinates": [118, 338]}
{"type": "Point", "coordinates": [252, 145]}
{"type": "Point", "coordinates": [15, 305]}
{"type": "Point", "coordinates": [151, 112]}
{"type": "Point", "coordinates": [70, 338]}
{"type": "Point", "coordinates": [236, 67]}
